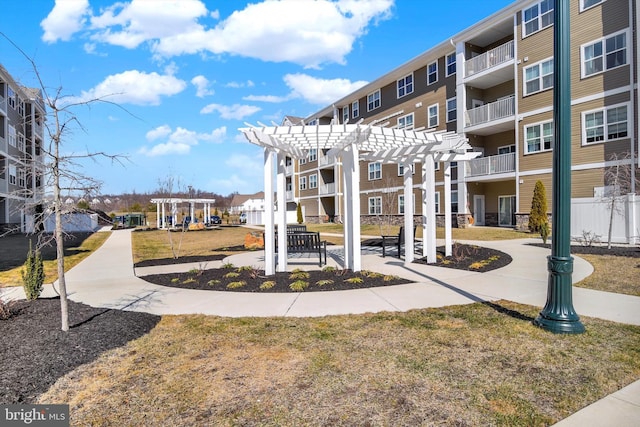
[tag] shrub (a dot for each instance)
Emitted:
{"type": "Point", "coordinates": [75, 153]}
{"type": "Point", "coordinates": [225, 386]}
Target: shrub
{"type": "Point", "coordinates": [213, 282]}
{"type": "Point", "coordinates": [228, 266]}
{"type": "Point", "coordinates": [6, 309]}
{"type": "Point", "coordinates": [33, 274]}
{"type": "Point", "coordinates": [189, 280]}
{"type": "Point", "coordinates": [329, 269]}
{"type": "Point", "coordinates": [298, 275]}
{"type": "Point", "coordinates": [538, 221]}
{"type": "Point", "coordinates": [231, 275]}
{"type": "Point", "coordinates": [389, 278]}
{"type": "Point", "coordinates": [236, 285]}
{"type": "Point", "coordinates": [324, 282]}
{"type": "Point", "coordinates": [175, 280]}
{"type": "Point", "coordinates": [299, 285]}
{"type": "Point", "coordinates": [299, 218]}
{"type": "Point", "coordinates": [267, 285]}
{"type": "Point", "coordinates": [354, 280]}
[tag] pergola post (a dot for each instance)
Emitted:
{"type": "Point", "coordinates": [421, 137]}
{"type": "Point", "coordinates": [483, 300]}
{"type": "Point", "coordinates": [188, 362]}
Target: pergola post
{"type": "Point", "coordinates": [447, 208]}
{"type": "Point", "coordinates": [158, 223]}
{"type": "Point", "coordinates": [408, 214]}
{"type": "Point", "coordinates": [281, 187]}
{"type": "Point", "coordinates": [269, 244]}
{"type": "Point", "coordinates": [429, 209]}
{"type": "Point", "coordinates": [352, 255]}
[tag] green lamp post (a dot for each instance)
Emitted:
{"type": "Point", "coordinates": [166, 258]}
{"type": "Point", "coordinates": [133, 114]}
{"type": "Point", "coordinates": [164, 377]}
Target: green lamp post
{"type": "Point", "coordinates": [558, 314]}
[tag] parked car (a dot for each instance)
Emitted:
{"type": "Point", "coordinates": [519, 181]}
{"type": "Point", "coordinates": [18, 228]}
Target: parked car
{"type": "Point", "coordinates": [215, 219]}
{"type": "Point", "coordinates": [243, 218]}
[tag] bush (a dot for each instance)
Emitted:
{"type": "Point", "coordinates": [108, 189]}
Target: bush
{"type": "Point", "coordinates": [33, 274]}
{"type": "Point", "coordinates": [538, 221]}
{"type": "Point", "coordinates": [299, 213]}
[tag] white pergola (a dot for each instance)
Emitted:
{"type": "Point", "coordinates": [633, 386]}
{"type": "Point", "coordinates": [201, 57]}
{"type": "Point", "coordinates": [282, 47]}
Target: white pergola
{"type": "Point", "coordinates": [352, 143]}
{"type": "Point", "coordinates": [173, 202]}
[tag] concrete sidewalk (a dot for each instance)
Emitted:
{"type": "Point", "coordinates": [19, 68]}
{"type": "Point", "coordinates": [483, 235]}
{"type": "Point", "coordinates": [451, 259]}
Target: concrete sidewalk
{"type": "Point", "coordinates": [108, 279]}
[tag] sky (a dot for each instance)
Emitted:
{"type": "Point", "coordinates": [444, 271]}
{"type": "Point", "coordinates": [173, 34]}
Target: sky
{"type": "Point", "coordinates": [180, 77]}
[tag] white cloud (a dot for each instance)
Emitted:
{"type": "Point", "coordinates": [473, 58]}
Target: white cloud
{"type": "Point", "coordinates": [130, 24]}
{"type": "Point", "coordinates": [251, 172]}
{"type": "Point", "coordinates": [306, 32]}
{"type": "Point", "coordinates": [320, 91]}
{"type": "Point", "coordinates": [235, 111]}
{"type": "Point", "coordinates": [266, 98]}
{"type": "Point", "coordinates": [180, 140]}
{"type": "Point", "coordinates": [202, 86]}
{"type": "Point", "coordinates": [133, 87]}
{"type": "Point", "coordinates": [248, 83]}
{"type": "Point", "coordinates": [66, 18]}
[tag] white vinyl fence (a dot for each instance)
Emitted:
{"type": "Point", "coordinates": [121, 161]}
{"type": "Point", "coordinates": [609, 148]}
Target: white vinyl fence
{"type": "Point", "coordinates": [592, 215]}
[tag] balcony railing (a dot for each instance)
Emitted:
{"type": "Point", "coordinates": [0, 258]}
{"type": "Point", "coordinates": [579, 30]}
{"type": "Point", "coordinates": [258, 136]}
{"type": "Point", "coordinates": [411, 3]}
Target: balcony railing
{"type": "Point", "coordinates": [500, 109]}
{"type": "Point", "coordinates": [491, 165]}
{"type": "Point", "coordinates": [289, 195]}
{"type": "Point", "coordinates": [491, 58]}
{"type": "Point", "coordinates": [326, 160]}
{"type": "Point", "coordinates": [288, 169]}
{"type": "Point", "coordinates": [38, 129]}
{"type": "Point", "coordinates": [329, 188]}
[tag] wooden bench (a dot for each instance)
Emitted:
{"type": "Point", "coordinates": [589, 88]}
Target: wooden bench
{"type": "Point", "coordinates": [396, 240]}
{"type": "Point", "coordinates": [306, 242]}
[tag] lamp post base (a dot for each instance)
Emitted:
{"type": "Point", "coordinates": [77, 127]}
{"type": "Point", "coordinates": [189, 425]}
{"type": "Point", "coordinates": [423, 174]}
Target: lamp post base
{"type": "Point", "coordinates": [558, 315]}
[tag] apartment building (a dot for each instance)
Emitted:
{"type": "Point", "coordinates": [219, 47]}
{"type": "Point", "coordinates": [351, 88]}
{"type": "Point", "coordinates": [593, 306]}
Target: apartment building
{"type": "Point", "coordinates": [22, 115]}
{"type": "Point", "coordinates": [493, 83]}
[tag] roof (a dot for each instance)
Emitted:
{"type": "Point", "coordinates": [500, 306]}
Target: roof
{"type": "Point", "coordinates": [239, 199]}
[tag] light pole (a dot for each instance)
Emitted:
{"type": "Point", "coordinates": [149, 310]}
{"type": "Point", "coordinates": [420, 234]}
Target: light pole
{"type": "Point", "coordinates": [558, 314]}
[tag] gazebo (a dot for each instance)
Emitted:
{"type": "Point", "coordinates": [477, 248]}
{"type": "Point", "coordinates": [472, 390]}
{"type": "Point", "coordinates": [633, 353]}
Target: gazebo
{"type": "Point", "coordinates": [174, 202]}
{"type": "Point", "coordinates": [352, 143]}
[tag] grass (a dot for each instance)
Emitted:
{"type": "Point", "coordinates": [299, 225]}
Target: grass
{"type": "Point", "coordinates": [479, 364]}
{"type": "Point", "coordinates": [155, 244]}
{"type": "Point", "coordinates": [613, 274]}
{"type": "Point", "coordinates": [12, 276]}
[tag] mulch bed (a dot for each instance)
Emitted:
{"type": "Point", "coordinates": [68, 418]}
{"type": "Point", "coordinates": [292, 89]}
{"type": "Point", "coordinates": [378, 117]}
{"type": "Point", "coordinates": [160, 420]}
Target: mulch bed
{"type": "Point", "coordinates": [626, 251]}
{"type": "Point", "coordinates": [470, 258]}
{"type": "Point", "coordinates": [36, 352]}
{"type": "Point", "coordinates": [214, 280]}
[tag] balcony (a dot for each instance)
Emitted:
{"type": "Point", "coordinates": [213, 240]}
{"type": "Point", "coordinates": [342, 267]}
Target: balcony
{"type": "Point", "coordinates": [289, 195]}
{"type": "Point", "coordinates": [326, 161]}
{"type": "Point", "coordinates": [288, 169]}
{"type": "Point", "coordinates": [491, 114]}
{"type": "Point", "coordinates": [38, 129]}
{"type": "Point", "coordinates": [3, 105]}
{"type": "Point", "coordinates": [326, 189]}
{"type": "Point", "coordinates": [491, 165]}
{"type": "Point", "coordinates": [491, 68]}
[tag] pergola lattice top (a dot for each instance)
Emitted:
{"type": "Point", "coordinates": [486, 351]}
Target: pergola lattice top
{"type": "Point", "coordinates": [297, 140]}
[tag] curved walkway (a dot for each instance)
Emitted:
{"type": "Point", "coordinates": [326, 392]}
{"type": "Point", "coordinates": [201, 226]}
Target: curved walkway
{"type": "Point", "coordinates": [108, 279]}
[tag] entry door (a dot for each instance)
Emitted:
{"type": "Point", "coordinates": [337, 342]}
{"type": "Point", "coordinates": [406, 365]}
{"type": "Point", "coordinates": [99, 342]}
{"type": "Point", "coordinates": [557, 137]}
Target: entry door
{"type": "Point", "coordinates": [478, 209]}
{"type": "Point", "coordinates": [506, 211]}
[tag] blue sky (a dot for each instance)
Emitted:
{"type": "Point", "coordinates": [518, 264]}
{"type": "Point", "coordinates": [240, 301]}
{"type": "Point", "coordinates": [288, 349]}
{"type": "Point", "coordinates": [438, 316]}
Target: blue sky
{"type": "Point", "coordinates": [188, 73]}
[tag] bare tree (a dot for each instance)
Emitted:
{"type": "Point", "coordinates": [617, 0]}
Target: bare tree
{"type": "Point", "coordinates": [63, 169]}
{"type": "Point", "coordinates": [167, 191]}
{"type": "Point", "coordinates": [619, 180]}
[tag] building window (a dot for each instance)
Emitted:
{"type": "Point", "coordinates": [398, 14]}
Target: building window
{"type": "Point", "coordinates": [537, 17]}
{"type": "Point", "coordinates": [375, 171]}
{"type": "Point", "coordinates": [452, 109]}
{"type": "Point", "coordinates": [21, 107]}
{"type": "Point", "coordinates": [21, 142]}
{"type": "Point", "coordinates": [507, 149]}
{"type": "Point", "coordinates": [355, 109]}
{"type": "Point", "coordinates": [432, 73]}
{"type": "Point", "coordinates": [302, 161]}
{"type": "Point", "coordinates": [539, 137]}
{"type": "Point", "coordinates": [437, 202]}
{"type": "Point", "coordinates": [405, 122]}
{"type": "Point", "coordinates": [401, 169]}
{"type": "Point", "coordinates": [12, 136]}
{"type": "Point", "coordinates": [587, 4]}
{"type": "Point", "coordinates": [313, 155]}
{"type": "Point", "coordinates": [432, 116]}
{"type": "Point", "coordinates": [21, 178]}
{"type": "Point", "coordinates": [538, 77]}
{"type": "Point", "coordinates": [451, 64]}
{"type": "Point", "coordinates": [375, 205]}
{"type": "Point", "coordinates": [313, 181]}
{"type": "Point", "coordinates": [454, 201]}
{"type": "Point", "coordinates": [401, 204]}
{"type": "Point", "coordinates": [303, 183]}
{"type": "Point", "coordinates": [11, 97]}
{"type": "Point", "coordinates": [604, 54]}
{"type": "Point", "coordinates": [345, 114]}
{"type": "Point", "coordinates": [608, 124]}
{"type": "Point", "coordinates": [405, 85]}
{"type": "Point", "coordinates": [12, 174]}
{"type": "Point", "coordinates": [373, 100]}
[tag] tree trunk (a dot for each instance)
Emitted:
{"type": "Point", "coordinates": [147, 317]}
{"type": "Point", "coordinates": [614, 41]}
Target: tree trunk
{"type": "Point", "coordinates": [64, 306]}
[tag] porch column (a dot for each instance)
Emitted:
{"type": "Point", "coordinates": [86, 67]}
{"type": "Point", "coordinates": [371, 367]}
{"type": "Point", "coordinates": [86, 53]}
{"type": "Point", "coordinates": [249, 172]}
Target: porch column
{"type": "Point", "coordinates": [408, 214]}
{"type": "Point", "coordinates": [164, 216]}
{"type": "Point", "coordinates": [269, 245]}
{"type": "Point", "coordinates": [447, 208]}
{"type": "Point", "coordinates": [281, 184]}
{"type": "Point", "coordinates": [158, 219]}
{"type": "Point", "coordinates": [429, 209]}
